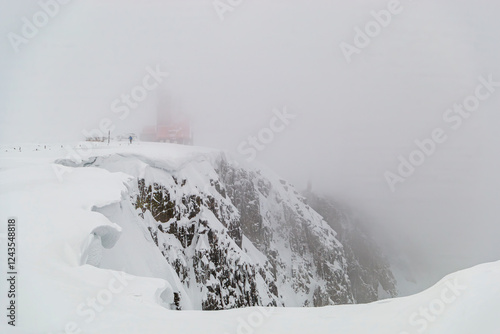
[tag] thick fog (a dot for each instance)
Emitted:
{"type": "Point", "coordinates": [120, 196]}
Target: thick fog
{"type": "Point", "coordinates": [295, 85]}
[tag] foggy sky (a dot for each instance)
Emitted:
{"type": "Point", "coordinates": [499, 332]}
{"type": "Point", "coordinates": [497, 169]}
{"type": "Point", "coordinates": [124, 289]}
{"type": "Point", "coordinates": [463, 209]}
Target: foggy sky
{"type": "Point", "coordinates": [352, 121]}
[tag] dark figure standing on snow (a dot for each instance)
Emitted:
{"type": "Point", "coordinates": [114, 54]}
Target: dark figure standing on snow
{"type": "Point", "coordinates": [130, 138]}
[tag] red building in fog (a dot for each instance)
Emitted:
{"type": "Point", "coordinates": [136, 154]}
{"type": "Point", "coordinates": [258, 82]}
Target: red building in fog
{"type": "Point", "coordinates": [171, 127]}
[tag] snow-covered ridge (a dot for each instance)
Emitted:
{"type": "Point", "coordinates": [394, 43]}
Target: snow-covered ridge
{"type": "Point", "coordinates": [130, 287]}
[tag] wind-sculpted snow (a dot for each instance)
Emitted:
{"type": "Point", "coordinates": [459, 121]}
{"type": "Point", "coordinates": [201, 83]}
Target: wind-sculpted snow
{"type": "Point", "coordinates": [101, 237]}
{"type": "Point", "coordinates": [107, 235]}
{"type": "Point", "coordinates": [61, 232]}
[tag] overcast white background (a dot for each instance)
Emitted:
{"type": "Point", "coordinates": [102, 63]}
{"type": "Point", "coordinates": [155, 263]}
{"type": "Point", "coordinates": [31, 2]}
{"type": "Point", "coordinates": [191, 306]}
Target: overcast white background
{"type": "Point", "coordinates": [353, 120]}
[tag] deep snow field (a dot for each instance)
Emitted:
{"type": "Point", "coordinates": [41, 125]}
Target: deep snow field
{"type": "Point", "coordinates": [57, 294]}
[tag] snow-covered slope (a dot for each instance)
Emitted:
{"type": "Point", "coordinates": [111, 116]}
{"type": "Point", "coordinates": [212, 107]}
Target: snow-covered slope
{"type": "Point", "coordinates": [87, 260]}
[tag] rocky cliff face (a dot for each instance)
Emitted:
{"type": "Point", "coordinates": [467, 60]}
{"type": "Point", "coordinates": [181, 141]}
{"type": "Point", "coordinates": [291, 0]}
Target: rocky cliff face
{"type": "Point", "coordinates": [307, 260]}
{"type": "Point", "coordinates": [240, 237]}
